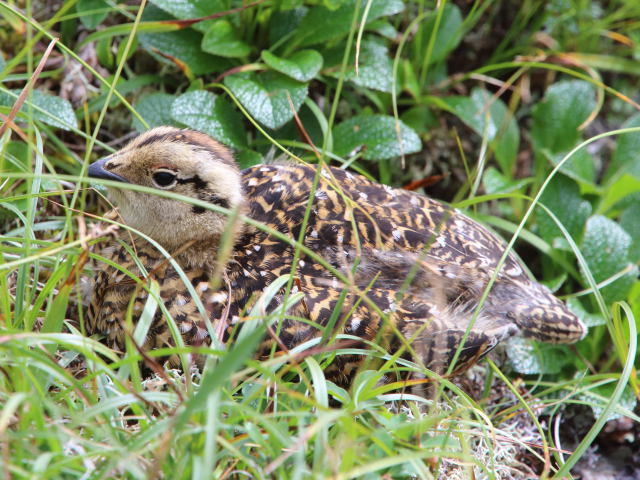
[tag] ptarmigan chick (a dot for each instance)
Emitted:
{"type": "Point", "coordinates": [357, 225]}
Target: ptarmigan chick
{"type": "Point", "coordinates": [402, 270]}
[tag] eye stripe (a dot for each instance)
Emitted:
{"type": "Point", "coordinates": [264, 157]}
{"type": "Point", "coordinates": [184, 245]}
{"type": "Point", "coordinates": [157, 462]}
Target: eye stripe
{"type": "Point", "coordinates": [216, 200]}
{"type": "Point", "coordinates": [196, 180]}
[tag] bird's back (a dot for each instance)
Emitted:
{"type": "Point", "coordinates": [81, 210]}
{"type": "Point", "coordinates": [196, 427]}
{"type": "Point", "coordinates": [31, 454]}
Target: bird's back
{"type": "Point", "coordinates": [348, 210]}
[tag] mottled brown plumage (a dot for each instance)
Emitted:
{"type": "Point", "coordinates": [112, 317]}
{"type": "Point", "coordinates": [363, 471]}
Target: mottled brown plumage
{"type": "Point", "coordinates": [421, 265]}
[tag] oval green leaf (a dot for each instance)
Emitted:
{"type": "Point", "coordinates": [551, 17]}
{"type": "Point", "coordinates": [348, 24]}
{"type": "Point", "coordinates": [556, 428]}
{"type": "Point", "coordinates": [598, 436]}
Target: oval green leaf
{"type": "Point", "coordinates": [266, 96]}
{"type": "Point", "coordinates": [448, 36]}
{"type": "Point", "coordinates": [380, 136]}
{"type": "Point", "coordinates": [375, 68]}
{"type": "Point", "coordinates": [55, 111]}
{"type": "Point", "coordinates": [532, 358]}
{"type": "Point", "coordinates": [556, 118]}
{"type": "Point", "coordinates": [184, 46]}
{"type": "Point", "coordinates": [321, 23]}
{"type": "Point", "coordinates": [155, 109]}
{"type": "Point", "coordinates": [223, 39]}
{"type": "Point", "coordinates": [204, 111]}
{"type": "Point", "coordinates": [495, 182]}
{"type": "Point", "coordinates": [562, 197]}
{"type": "Point", "coordinates": [606, 250]}
{"type": "Point", "coordinates": [625, 157]}
{"type": "Point", "coordinates": [629, 220]}
{"type": "Point", "coordinates": [187, 9]}
{"type": "Point", "coordinates": [501, 131]}
{"type": "Point", "coordinates": [92, 12]}
{"type": "Point", "coordinates": [302, 66]}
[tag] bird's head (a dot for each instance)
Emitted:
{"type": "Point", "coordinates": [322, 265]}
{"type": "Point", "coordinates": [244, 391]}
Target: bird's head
{"type": "Point", "coordinates": [185, 162]}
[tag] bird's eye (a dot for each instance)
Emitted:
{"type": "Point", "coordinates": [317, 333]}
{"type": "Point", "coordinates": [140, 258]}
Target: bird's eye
{"type": "Point", "coordinates": [164, 178]}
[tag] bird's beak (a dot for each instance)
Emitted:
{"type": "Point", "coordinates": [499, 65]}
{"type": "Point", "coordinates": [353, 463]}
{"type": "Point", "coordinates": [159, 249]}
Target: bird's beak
{"type": "Point", "coordinates": [97, 170]}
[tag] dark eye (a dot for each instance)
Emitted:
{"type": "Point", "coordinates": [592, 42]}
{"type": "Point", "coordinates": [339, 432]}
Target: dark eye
{"type": "Point", "coordinates": [164, 178]}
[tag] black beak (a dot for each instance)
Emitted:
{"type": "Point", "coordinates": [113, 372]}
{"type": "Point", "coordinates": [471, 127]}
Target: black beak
{"type": "Point", "coordinates": [97, 170]}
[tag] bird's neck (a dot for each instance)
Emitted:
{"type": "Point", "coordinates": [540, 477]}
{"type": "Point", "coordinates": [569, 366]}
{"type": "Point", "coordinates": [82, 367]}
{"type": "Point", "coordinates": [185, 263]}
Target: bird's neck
{"type": "Point", "coordinates": [196, 254]}
{"type": "Point", "coordinates": [215, 250]}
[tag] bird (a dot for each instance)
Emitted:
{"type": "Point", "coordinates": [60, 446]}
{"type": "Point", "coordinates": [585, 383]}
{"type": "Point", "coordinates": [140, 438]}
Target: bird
{"type": "Point", "coordinates": [382, 265]}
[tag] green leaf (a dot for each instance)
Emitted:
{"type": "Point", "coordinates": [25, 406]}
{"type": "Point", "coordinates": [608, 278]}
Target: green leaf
{"type": "Point", "coordinates": [302, 66]}
{"type": "Point", "coordinates": [314, 123]}
{"type": "Point", "coordinates": [501, 130]}
{"type": "Point", "coordinates": [409, 79]}
{"type": "Point", "coordinates": [184, 45]}
{"type": "Point", "coordinates": [448, 35]}
{"type": "Point", "coordinates": [495, 182]}
{"type": "Point", "coordinates": [580, 166]}
{"type": "Point", "coordinates": [421, 118]}
{"type": "Point", "coordinates": [284, 23]}
{"type": "Point", "coordinates": [625, 157]}
{"type": "Point", "coordinates": [630, 221]}
{"type": "Point", "coordinates": [597, 398]}
{"type": "Point", "coordinates": [186, 9]}
{"type": "Point", "coordinates": [606, 250]}
{"type": "Point", "coordinates": [589, 319]}
{"type": "Point", "coordinates": [212, 115]}
{"type": "Point", "coordinates": [104, 53]}
{"type": "Point", "coordinates": [384, 28]}
{"type": "Point", "coordinates": [556, 118]}
{"type": "Point", "coordinates": [121, 50]}
{"type": "Point", "coordinates": [319, 381]}
{"type": "Point", "coordinates": [562, 197]}
{"type": "Point", "coordinates": [265, 96]}
{"type": "Point", "coordinates": [532, 358]}
{"type": "Point", "coordinates": [223, 39]}
{"type": "Point", "coordinates": [624, 186]}
{"type": "Point", "coordinates": [189, 8]}
{"type": "Point", "coordinates": [88, 17]}
{"type": "Point", "coordinates": [156, 111]}
{"type": "Point", "coordinates": [54, 320]}
{"type": "Point", "coordinates": [59, 112]}
{"type": "Point", "coordinates": [378, 136]}
{"type": "Point", "coordinates": [15, 158]}
{"type": "Point", "coordinates": [375, 68]}
{"type": "Point", "coordinates": [321, 23]}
